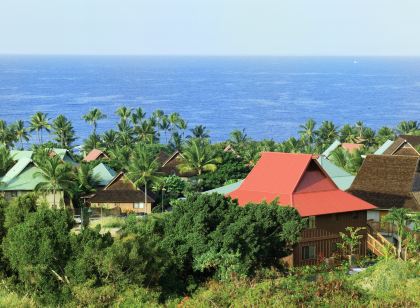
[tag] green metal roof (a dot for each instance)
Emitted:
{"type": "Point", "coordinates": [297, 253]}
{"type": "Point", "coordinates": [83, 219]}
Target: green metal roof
{"type": "Point", "coordinates": [17, 168]}
{"type": "Point", "coordinates": [64, 154]}
{"type": "Point", "coordinates": [383, 147]}
{"type": "Point", "coordinates": [225, 189]}
{"type": "Point", "coordinates": [104, 174]}
{"type": "Point", "coordinates": [331, 148]}
{"type": "Point", "coordinates": [22, 181]}
{"type": "Point", "coordinates": [17, 155]}
{"type": "Point", "coordinates": [340, 177]}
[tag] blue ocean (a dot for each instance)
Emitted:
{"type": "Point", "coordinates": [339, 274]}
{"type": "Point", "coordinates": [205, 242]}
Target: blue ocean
{"type": "Point", "coordinates": [268, 96]}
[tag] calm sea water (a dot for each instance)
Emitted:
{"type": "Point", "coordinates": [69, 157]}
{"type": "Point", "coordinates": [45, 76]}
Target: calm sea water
{"type": "Point", "coordinates": [269, 96]}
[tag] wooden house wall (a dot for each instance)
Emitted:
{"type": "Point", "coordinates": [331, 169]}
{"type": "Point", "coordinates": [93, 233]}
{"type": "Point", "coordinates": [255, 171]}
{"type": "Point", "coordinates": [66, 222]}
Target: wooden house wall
{"type": "Point", "coordinates": [326, 234]}
{"type": "Point", "coordinates": [124, 207]}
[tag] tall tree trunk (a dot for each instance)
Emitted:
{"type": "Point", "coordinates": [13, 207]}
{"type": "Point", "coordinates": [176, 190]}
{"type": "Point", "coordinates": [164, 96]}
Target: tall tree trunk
{"type": "Point", "coordinates": [21, 143]}
{"type": "Point", "coordinates": [400, 238]}
{"type": "Point", "coordinates": [145, 194]}
{"type": "Point", "coordinates": [54, 198]}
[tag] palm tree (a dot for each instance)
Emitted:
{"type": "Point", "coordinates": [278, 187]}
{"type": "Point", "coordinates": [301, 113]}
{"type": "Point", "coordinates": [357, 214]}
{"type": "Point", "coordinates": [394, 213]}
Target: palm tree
{"type": "Point", "coordinates": [143, 168]}
{"type": "Point", "coordinates": [182, 125]}
{"type": "Point", "coordinates": [238, 137]}
{"type": "Point", "coordinates": [92, 142]}
{"type": "Point", "coordinates": [200, 131]}
{"type": "Point", "coordinates": [400, 218]}
{"type": "Point", "coordinates": [125, 134]}
{"type": "Point", "coordinates": [174, 119]}
{"type": "Point", "coordinates": [384, 133]}
{"type": "Point", "coordinates": [85, 179]}
{"type": "Point", "coordinates": [6, 160]}
{"type": "Point", "coordinates": [250, 155]}
{"type": "Point", "coordinates": [21, 132]}
{"type": "Point", "coordinates": [56, 174]}
{"type": "Point", "coordinates": [110, 138]}
{"type": "Point", "coordinates": [119, 157]}
{"type": "Point", "coordinates": [38, 123]}
{"type": "Point", "coordinates": [368, 136]}
{"type": "Point", "coordinates": [165, 125]}
{"type": "Point", "coordinates": [292, 145]}
{"type": "Point", "coordinates": [92, 118]}
{"type": "Point", "coordinates": [137, 116]}
{"type": "Point", "coordinates": [7, 134]}
{"type": "Point", "coordinates": [408, 127]}
{"type": "Point", "coordinates": [198, 157]}
{"type": "Point", "coordinates": [349, 161]}
{"type": "Point", "coordinates": [307, 131]}
{"type": "Point", "coordinates": [158, 114]}
{"type": "Point", "coordinates": [327, 132]}
{"type": "Point", "coordinates": [339, 157]}
{"type": "Point", "coordinates": [176, 141]}
{"type": "Point", "coordinates": [146, 132]}
{"type": "Point", "coordinates": [359, 127]}
{"type": "Point", "coordinates": [347, 133]}
{"type": "Point", "coordinates": [124, 113]}
{"type": "Point", "coordinates": [64, 131]}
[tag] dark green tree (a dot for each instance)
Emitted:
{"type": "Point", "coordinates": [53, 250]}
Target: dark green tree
{"type": "Point", "coordinates": [38, 250]}
{"type": "Point", "coordinates": [63, 131]}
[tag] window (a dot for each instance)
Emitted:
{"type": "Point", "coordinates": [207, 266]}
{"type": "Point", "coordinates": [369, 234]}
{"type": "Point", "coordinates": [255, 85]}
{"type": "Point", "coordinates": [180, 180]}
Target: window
{"type": "Point", "coordinates": [139, 205]}
{"type": "Point", "coordinates": [308, 252]}
{"type": "Point", "coordinates": [311, 222]}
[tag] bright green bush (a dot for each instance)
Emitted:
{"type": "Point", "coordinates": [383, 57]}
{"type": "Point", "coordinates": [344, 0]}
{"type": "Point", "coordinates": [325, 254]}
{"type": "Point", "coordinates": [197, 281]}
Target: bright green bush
{"type": "Point", "coordinates": [391, 281]}
{"type": "Point", "coordinates": [11, 299]}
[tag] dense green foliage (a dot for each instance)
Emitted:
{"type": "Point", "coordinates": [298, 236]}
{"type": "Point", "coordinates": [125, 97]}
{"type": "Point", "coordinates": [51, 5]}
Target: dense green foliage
{"type": "Point", "coordinates": [208, 247]}
{"type": "Point", "coordinates": [205, 237]}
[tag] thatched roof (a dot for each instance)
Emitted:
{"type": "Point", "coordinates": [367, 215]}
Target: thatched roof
{"type": "Point", "coordinates": [404, 145]}
{"type": "Point", "coordinates": [388, 181]}
{"type": "Point", "coordinates": [119, 196]}
{"type": "Point", "coordinates": [120, 190]}
{"type": "Point", "coordinates": [169, 164]}
{"type": "Point", "coordinates": [413, 140]}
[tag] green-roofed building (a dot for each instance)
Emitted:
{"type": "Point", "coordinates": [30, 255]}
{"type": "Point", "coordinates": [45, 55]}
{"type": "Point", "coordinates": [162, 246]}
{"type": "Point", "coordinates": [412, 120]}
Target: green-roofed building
{"type": "Point", "coordinates": [224, 190]}
{"type": "Point", "coordinates": [341, 178]}
{"type": "Point", "coordinates": [64, 154]}
{"type": "Point", "coordinates": [23, 178]}
{"type": "Point", "coordinates": [17, 155]}
{"type": "Point", "coordinates": [383, 147]}
{"type": "Point", "coordinates": [103, 174]}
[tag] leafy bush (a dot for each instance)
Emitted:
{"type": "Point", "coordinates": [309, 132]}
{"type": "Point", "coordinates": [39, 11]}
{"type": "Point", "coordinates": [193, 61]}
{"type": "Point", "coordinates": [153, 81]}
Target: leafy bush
{"type": "Point", "coordinates": [38, 249]}
{"type": "Point", "coordinates": [209, 234]}
{"type": "Point", "coordinates": [392, 281]}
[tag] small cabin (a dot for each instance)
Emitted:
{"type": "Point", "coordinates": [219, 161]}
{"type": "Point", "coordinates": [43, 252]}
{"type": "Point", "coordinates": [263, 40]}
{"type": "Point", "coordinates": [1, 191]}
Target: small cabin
{"type": "Point", "coordinates": [122, 196]}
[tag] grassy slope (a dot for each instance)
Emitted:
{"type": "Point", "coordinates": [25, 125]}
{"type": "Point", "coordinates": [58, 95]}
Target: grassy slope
{"type": "Point", "coordinates": [389, 283]}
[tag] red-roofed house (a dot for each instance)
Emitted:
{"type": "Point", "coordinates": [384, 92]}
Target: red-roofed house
{"type": "Point", "coordinates": [95, 154]}
{"type": "Point", "coordinates": [299, 181]}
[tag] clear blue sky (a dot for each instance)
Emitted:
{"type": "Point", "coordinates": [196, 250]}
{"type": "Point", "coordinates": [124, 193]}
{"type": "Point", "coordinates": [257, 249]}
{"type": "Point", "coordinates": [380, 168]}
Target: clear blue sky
{"type": "Point", "coordinates": [211, 27]}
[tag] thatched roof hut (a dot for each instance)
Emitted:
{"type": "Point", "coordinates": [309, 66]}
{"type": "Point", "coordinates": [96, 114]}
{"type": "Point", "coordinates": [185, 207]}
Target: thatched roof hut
{"type": "Point", "coordinates": [389, 181]}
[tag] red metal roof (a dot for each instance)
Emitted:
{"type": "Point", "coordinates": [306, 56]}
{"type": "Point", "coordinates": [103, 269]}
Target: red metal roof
{"type": "Point", "coordinates": [296, 180]}
{"type": "Point", "coordinates": [94, 155]}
